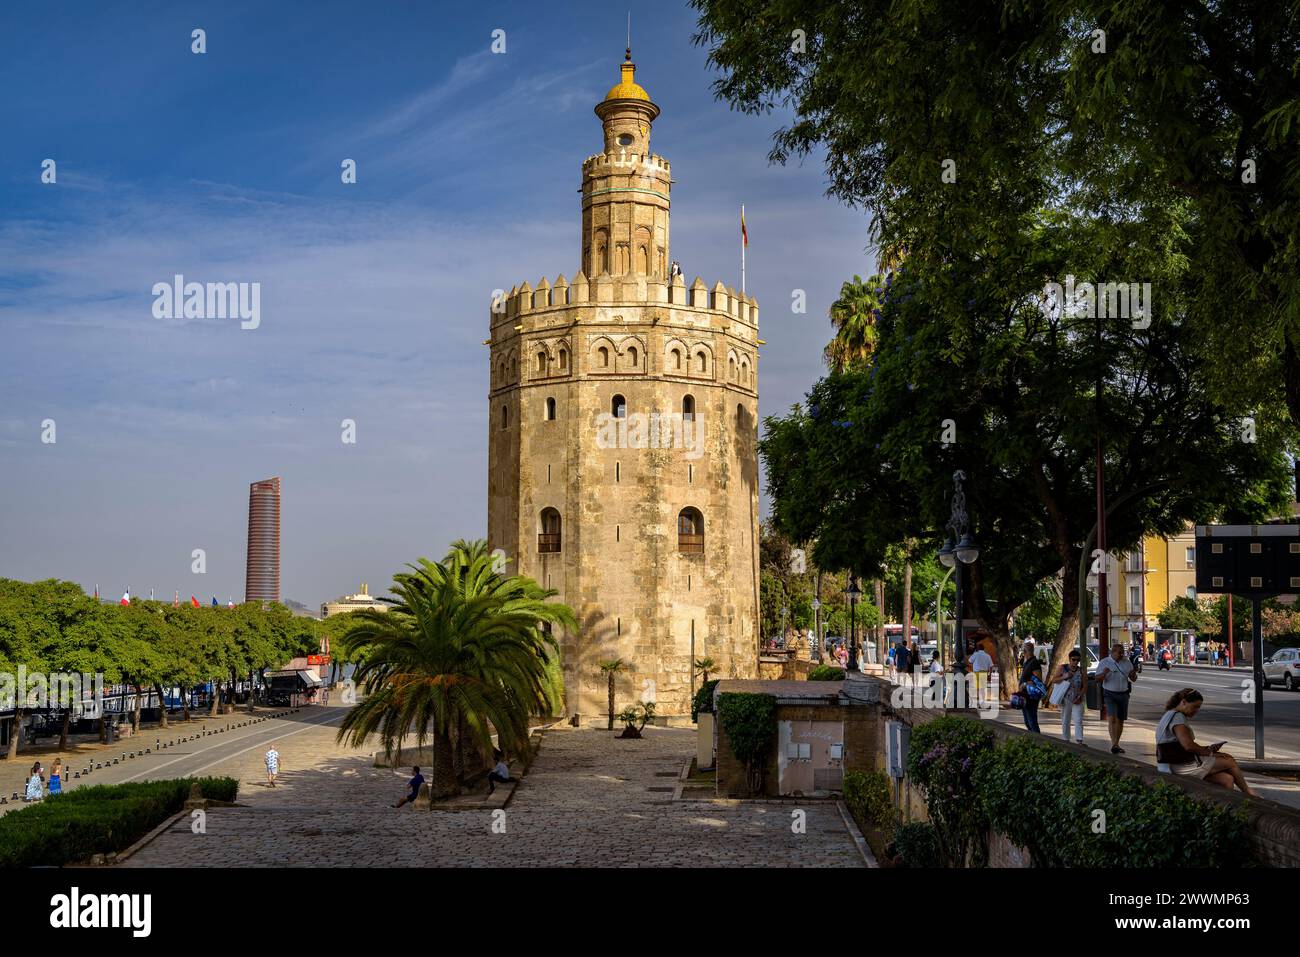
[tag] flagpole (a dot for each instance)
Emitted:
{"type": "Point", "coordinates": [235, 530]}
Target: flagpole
{"type": "Point", "coordinates": [742, 251]}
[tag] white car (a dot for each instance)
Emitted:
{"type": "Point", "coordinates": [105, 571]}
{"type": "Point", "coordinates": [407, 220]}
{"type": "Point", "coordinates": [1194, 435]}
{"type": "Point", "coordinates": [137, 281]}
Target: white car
{"type": "Point", "coordinates": [1283, 667]}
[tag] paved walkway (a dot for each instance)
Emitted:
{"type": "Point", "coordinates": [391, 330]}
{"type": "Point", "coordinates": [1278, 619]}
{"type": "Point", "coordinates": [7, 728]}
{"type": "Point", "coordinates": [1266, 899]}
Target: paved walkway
{"type": "Point", "coordinates": [590, 800]}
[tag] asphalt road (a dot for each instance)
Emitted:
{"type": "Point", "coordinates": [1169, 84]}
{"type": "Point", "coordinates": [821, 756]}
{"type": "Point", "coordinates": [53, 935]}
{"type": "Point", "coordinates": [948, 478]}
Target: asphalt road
{"type": "Point", "coordinates": [192, 758]}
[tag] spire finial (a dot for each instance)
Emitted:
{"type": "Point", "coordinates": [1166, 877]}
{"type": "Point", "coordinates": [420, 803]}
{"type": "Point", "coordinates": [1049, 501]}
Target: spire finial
{"type": "Point", "coordinates": [628, 57]}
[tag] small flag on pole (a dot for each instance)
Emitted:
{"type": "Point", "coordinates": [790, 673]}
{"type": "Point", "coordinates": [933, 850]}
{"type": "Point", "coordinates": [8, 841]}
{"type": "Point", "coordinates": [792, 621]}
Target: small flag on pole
{"type": "Point", "coordinates": [230, 602]}
{"type": "Point", "coordinates": [126, 596]}
{"type": "Point", "coordinates": [176, 600]}
{"type": "Point", "coordinates": [194, 601]}
{"type": "Point", "coordinates": [744, 234]}
{"type": "Point", "coordinates": [214, 602]}
{"type": "Point", "coordinates": [96, 593]}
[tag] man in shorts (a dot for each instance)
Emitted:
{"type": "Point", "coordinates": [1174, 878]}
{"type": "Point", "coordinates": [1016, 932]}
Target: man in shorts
{"type": "Point", "coordinates": [1116, 674]}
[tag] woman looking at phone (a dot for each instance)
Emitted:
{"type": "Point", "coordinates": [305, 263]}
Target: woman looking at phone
{"type": "Point", "coordinates": [1176, 745]}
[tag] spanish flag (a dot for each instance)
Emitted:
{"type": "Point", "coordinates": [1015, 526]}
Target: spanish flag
{"type": "Point", "coordinates": [744, 236]}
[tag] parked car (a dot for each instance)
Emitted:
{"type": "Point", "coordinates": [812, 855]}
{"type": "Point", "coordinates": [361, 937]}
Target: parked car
{"type": "Point", "coordinates": [1283, 667]}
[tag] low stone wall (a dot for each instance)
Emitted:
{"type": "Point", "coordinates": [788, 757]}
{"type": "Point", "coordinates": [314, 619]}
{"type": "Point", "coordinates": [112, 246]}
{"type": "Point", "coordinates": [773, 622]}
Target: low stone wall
{"type": "Point", "coordinates": [1273, 829]}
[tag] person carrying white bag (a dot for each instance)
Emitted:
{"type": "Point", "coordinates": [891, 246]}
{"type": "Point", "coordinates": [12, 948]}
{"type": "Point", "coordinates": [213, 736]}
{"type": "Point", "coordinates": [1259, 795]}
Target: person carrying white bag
{"type": "Point", "coordinates": [1067, 694]}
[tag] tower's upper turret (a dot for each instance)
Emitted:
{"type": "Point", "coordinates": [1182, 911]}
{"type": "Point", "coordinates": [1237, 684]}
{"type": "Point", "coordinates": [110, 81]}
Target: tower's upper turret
{"type": "Point", "coordinates": [627, 113]}
{"type": "Point", "coordinates": [625, 188]}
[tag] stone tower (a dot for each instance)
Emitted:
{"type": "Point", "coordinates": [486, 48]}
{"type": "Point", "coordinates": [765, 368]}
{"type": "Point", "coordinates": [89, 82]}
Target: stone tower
{"type": "Point", "coordinates": [622, 439]}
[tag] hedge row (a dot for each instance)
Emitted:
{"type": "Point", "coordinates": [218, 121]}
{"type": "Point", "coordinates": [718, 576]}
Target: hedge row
{"type": "Point", "coordinates": [1065, 810]}
{"type": "Point", "coordinates": [101, 819]}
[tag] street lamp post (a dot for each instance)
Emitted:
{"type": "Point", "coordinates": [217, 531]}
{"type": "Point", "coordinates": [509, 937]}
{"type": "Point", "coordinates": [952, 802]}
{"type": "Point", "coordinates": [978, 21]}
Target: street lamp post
{"type": "Point", "coordinates": [964, 551]}
{"type": "Point", "coordinates": [853, 593]}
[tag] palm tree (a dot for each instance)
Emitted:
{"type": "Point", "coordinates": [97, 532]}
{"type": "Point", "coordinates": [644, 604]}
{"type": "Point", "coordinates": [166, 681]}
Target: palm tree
{"type": "Point", "coordinates": [705, 665]}
{"type": "Point", "coordinates": [854, 315]}
{"type": "Point", "coordinates": [611, 668]}
{"type": "Point", "coordinates": [460, 650]}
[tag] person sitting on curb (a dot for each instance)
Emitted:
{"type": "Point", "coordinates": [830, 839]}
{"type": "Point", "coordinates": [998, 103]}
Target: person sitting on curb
{"type": "Point", "coordinates": [499, 774]}
{"type": "Point", "coordinates": [1176, 746]}
{"type": "Point", "coordinates": [412, 788]}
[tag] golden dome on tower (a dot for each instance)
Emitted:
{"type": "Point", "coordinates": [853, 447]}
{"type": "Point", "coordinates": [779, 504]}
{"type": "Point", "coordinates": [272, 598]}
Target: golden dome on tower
{"type": "Point", "coordinates": [627, 88]}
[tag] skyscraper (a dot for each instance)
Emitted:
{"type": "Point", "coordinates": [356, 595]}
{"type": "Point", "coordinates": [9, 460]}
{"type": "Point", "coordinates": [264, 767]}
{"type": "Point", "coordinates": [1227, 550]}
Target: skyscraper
{"type": "Point", "coordinates": [262, 580]}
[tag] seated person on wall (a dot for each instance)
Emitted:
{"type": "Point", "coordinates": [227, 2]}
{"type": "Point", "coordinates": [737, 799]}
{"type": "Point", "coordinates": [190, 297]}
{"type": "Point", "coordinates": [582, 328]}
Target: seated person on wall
{"type": "Point", "coordinates": [1176, 745]}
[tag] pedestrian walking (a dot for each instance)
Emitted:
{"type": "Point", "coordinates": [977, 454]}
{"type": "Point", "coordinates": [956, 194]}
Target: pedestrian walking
{"type": "Point", "coordinates": [893, 665]}
{"type": "Point", "coordinates": [499, 774]}
{"type": "Point", "coordinates": [1116, 674]}
{"type": "Point", "coordinates": [412, 788]}
{"type": "Point", "coordinates": [56, 777]}
{"type": "Point", "coordinates": [1031, 686]}
{"type": "Point", "coordinates": [35, 784]}
{"type": "Point", "coordinates": [1176, 746]}
{"type": "Point", "coordinates": [1067, 694]}
{"type": "Point", "coordinates": [982, 665]}
{"type": "Point", "coordinates": [272, 765]}
{"type": "Point", "coordinates": [903, 661]}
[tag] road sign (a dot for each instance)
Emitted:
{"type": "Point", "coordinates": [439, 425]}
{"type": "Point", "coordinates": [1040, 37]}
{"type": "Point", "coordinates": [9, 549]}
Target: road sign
{"type": "Point", "coordinates": [1257, 562]}
{"type": "Point", "coordinates": [1248, 560]}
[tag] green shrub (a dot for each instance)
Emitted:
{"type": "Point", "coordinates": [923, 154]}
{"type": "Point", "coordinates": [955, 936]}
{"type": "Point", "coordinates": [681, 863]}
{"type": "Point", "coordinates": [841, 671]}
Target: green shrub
{"type": "Point", "coordinates": [941, 761]}
{"type": "Point", "coordinates": [100, 819]}
{"type": "Point", "coordinates": [1028, 781]}
{"type": "Point", "coordinates": [702, 703]}
{"type": "Point", "coordinates": [750, 723]}
{"type": "Point", "coordinates": [918, 844]}
{"type": "Point", "coordinates": [866, 794]}
{"type": "Point", "coordinates": [826, 673]}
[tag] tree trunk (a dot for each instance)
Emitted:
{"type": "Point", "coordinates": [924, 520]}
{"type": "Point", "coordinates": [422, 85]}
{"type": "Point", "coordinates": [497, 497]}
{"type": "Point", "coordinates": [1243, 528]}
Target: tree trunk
{"type": "Point", "coordinates": [16, 732]}
{"type": "Point", "coordinates": [162, 705]}
{"type": "Point", "coordinates": [185, 702]}
{"type": "Point", "coordinates": [250, 690]}
{"type": "Point", "coordinates": [1067, 635]}
{"type": "Point", "coordinates": [103, 728]}
{"type": "Point", "coordinates": [460, 747]}
{"type": "Point", "coordinates": [135, 715]}
{"type": "Point", "coordinates": [63, 732]}
{"type": "Point", "coordinates": [611, 701]}
{"type": "Point", "coordinates": [216, 698]}
{"type": "Point", "coordinates": [442, 782]}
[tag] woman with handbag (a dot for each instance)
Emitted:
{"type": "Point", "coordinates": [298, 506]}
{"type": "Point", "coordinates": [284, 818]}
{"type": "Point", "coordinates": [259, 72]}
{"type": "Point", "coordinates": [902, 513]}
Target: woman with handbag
{"type": "Point", "coordinates": [1067, 694]}
{"type": "Point", "coordinates": [1031, 686]}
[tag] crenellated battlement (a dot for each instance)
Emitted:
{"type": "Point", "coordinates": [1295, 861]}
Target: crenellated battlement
{"type": "Point", "coordinates": [622, 162]}
{"type": "Point", "coordinates": [624, 290]}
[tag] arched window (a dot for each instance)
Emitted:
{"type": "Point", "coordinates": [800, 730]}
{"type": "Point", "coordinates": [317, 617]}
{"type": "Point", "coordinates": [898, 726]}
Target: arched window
{"type": "Point", "coordinates": [744, 372]}
{"type": "Point", "coordinates": [548, 539]}
{"type": "Point", "coordinates": [541, 361]}
{"type": "Point", "coordinates": [550, 409]}
{"type": "Point", "coordinates": [731, 369]}
{"type": "Point", "coordinates": [505, 417]}
{"type": "Point", "coordinates": [642, 260]}
{"type": "Point", "coordinates": [690, 531]}
{"type": "Point", "coordinates": [618, 407]}
{"type": "Point", "coordinates": [701, 363]}
{"type": "Point", "coordinates": [632, 356]}
{"type": "Point", "coordinates": [514, 368]}
{"type": "Point", "coordinates": [564, 360]}
{"type": "Point", "coordinates": [602, 357]}
{"type": "Point", "coordinates": [688, 407]}
{"type": "Point", "coordinates": [676, 360]}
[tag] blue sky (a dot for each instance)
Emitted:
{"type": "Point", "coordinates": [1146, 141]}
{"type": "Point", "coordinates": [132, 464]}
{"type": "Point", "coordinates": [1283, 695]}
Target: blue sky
{"type": "Point", "coordinates": [225, 167]}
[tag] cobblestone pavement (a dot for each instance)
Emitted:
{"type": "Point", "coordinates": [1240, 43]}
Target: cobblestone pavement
{"type": "Point", "coordinates": [591, 799]}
